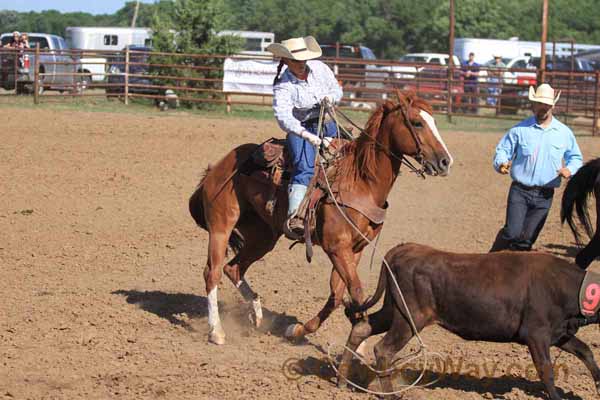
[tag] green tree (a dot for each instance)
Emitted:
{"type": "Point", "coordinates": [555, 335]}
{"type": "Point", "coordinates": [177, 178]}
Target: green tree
{"type": "Point", "coordinates": [190, 27]}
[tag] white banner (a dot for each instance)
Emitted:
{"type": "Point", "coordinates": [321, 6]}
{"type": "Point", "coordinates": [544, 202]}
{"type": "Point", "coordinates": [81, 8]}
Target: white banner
{"type": "Point", "coordinates": [249, 76]}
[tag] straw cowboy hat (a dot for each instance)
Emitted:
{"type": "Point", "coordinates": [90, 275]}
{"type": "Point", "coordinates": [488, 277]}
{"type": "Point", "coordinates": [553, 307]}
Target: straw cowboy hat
{"type": "Point", "coordinates": [544, 94]}
{"type": "Point", "coordinates": [301, 49]}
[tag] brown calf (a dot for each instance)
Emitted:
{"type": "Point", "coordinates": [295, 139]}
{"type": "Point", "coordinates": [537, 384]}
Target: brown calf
{"type": "Point", "coordinates": [526, 298]}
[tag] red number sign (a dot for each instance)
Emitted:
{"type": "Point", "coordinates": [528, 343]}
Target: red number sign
{"type": "Point", "coordinates": [592, 298]}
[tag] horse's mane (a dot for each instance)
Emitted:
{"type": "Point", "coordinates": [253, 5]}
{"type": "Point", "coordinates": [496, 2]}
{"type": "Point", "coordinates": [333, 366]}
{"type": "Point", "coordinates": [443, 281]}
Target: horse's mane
{"type": "Point", "coordinates": [360, 161]}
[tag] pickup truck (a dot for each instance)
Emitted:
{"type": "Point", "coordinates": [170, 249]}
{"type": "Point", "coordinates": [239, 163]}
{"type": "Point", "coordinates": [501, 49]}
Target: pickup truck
{"type": "Point", "coordinates": [53, 50]}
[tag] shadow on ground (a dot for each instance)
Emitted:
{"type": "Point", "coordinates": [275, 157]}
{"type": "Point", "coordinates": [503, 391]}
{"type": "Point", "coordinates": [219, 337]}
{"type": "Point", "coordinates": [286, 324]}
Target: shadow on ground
{"type": "Point", "coordinates": [171, 306]}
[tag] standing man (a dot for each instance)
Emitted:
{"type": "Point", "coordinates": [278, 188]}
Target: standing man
{"type": "Point", "coordinates": [470, 71]}
{"type": "Point", "coordinates": [495, 75]}
{"type": "Point", "coordinates": [533, 152]}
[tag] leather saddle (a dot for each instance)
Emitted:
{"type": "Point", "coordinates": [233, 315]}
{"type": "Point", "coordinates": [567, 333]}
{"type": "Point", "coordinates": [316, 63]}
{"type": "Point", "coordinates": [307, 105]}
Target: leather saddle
{"type": "Point", "coordinates": [272, 165]}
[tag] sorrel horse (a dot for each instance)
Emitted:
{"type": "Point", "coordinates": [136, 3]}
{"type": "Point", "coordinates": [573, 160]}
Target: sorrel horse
{"type": "Point", "coordinates": [231, 206]}
{"type": "Point", "coordinates": [585, 182]}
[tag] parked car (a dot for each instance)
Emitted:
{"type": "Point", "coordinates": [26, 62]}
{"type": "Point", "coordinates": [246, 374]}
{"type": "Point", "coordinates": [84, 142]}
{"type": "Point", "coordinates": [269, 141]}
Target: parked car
{"type": "Point", "coordinates": [510, 76]}
{"type": "Point", "coordinates": [351, 75]}
{"type": "Point", "coordinates": [432, 84]}
{"type": "Point", "coordinates": [409, 71]}
{"type": "Point", "coordinates": [56, 63]}
{"type": "Point", "coordinates": [516, 83]}
{"type": "Point", "coordinates": [349, 69]}
{"type": "Point", "coordinates": [137, 84]}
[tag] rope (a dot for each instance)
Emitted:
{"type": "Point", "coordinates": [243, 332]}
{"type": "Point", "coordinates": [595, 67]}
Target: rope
{"type": "Point", "coordinates": [422, 351]}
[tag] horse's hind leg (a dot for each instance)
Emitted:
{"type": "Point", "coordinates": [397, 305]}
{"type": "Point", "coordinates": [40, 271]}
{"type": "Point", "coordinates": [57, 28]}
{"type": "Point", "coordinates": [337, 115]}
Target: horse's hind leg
{"type": "Point", "coordinates": [220, 226]}
{"type": "Point", "coordinates": [217, 248]}
{"type": "Point", "coordinates": [258, 241]}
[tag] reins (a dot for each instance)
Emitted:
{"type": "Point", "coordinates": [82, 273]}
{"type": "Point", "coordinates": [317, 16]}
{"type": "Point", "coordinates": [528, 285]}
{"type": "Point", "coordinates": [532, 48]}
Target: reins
{"type": "Point", "coordinates": [419, 171]}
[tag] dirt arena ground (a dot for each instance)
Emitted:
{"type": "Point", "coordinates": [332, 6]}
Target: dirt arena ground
{"type": "Point", "coordinates": [101, 269]}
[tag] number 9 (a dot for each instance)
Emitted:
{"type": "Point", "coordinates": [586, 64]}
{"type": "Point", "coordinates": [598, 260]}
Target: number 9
{"type": "Point", "coordinates": [592, 295]}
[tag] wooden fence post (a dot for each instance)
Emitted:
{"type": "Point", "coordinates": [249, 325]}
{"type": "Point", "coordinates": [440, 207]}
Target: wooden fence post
{"type": "Point", "coordinates": [596, 121]}
{"type": "Point", "coordinates": [126, 90]}
{"type": "Point", "coordinates": [16, 71]}
{"type": "Point", "coordinates": [451, 60]}
{"type": "Point", "coordinates": [228, 101]}
{"type": "Point", "coordinates": [449, 99]}
{"type": "Point", "coordinates": [36, 76]}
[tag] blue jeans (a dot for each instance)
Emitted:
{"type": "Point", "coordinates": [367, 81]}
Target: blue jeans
{"type": "Point", "coordinates": [494, 90]}
{"type": "Point", "coordinates": [526, 214]}
{"type": "Point", "coordinates": [302, 153]}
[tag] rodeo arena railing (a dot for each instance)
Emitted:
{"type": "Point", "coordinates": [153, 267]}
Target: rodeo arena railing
{"type": "Point", "coordinates": [170, 79]}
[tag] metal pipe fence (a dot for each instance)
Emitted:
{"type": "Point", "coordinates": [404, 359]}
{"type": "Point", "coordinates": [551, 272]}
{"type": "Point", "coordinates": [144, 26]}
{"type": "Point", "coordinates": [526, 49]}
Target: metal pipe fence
{"type": "Point", "coordinates": [198, 78]}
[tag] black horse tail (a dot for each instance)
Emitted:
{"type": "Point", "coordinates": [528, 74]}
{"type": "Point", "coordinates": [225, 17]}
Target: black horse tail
{"type": "Point", "coordinates": [575, 197]}
{"type": "Point", "coordinates": [196, 207]}
{"type": "Point", "coordinates": [381, 286]}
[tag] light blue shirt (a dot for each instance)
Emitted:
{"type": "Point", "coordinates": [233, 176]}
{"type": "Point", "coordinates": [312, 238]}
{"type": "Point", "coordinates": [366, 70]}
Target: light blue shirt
{"type": "Point", "coordinates": [294, 99]}
{"type": "Point", "coordinates": [537, 153]}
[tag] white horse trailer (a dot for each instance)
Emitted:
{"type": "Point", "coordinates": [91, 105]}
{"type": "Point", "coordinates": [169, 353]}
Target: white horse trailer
{"type": "Point", "coordinates": [255, 43]}
{"type": "Point", "coordinates": [104, 38]}
{"type": "Point", "coordinates": [485, 49]}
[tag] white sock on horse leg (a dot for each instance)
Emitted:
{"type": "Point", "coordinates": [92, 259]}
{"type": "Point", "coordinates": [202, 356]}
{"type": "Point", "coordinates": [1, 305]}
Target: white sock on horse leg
{"type": "Point", "coordinates": [257, 309]}
{"type": "Point", "coordinates": [249, 295]}
{"type": "Point", "coordinates": [213, 309]}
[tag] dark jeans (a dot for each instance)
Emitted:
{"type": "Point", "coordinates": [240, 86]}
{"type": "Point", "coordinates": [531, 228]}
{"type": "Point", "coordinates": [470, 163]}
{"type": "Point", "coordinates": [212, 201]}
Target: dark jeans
{"type": "Point", "coordinates": [471, 98]}
{"type": "Point", "coordinates": [526, 214]}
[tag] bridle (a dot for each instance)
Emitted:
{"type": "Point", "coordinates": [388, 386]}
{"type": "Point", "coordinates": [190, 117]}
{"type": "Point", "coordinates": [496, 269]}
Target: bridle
{"type": "Point", "coordinates": [418, 143]}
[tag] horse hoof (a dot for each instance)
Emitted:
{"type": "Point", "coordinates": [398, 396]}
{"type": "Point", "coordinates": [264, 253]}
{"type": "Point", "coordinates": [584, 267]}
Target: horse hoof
{"type": "Point", "coordinates": [294, 331]}
{"type": "Point", "coordinates": [341, 383]}
{"type": "Point", "coordinates": [257, 322]}
{"type": "Point", "coordinates": [217, 336]}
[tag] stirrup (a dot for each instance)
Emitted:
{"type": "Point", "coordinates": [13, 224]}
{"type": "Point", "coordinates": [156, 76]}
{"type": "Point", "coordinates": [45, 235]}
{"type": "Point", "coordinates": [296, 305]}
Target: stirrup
{"type": "Point", "coordinates": [293, 227]}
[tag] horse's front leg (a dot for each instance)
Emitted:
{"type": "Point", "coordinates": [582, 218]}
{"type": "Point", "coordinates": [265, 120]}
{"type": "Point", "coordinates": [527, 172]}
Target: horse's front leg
{"type": "Point", "coordinates": [337, 283]}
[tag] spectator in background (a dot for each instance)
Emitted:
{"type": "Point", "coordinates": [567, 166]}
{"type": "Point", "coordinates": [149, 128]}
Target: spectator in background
{"type": "Point", "coordinates": [24, 41]}
{"type": "Point", "coordinates": [14, 43]}
{"type": "Point", "coordinates": [495, 80]}
{"type": "Point", "coordinates": [470, 72]}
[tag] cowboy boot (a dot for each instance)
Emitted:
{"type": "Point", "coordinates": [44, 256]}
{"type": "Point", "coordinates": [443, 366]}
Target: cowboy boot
{"type": "Point", "coordinates": [293, 228]}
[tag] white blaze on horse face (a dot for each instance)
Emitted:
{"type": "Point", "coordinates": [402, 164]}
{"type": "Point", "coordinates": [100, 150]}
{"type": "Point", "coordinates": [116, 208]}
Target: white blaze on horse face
{"type": "Point", "coordinates": [428, 118]}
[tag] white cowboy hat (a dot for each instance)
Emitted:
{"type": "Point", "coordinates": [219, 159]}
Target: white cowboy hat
{"type": "Point", "coordinates": [544, 94]}
{"type": "Point", "coordinates": [301, 49]}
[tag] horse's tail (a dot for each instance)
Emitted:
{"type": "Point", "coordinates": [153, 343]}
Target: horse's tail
{"type": "Point", "coordinates": [196, 207]}
{"type": "Point", "coordinates": [381, 286]}
{"type": "Point", "coordinates": [576, 195]}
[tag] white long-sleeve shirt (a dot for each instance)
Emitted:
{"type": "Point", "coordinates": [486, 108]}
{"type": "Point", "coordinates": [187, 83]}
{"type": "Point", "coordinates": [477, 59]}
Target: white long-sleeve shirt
{"type": "Point", "coordinates": [294, 99]}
